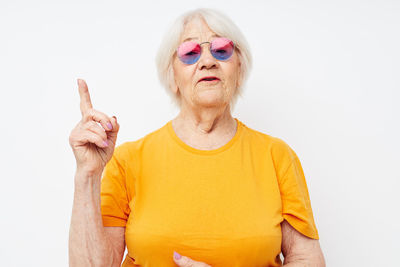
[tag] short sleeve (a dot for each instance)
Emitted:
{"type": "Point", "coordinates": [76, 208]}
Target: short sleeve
{"type": "Point", "coordinates": [296, 204]}
{"type": "Point", "coordinates": [114, 198]}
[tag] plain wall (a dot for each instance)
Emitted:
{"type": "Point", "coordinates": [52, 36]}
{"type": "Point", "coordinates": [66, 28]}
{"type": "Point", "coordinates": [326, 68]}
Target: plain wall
{"type": "Point", "coordinates": [325, 80]}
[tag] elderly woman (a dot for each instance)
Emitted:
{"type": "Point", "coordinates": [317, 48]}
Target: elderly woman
{"type": "Point", "coordinates": [202, 190]}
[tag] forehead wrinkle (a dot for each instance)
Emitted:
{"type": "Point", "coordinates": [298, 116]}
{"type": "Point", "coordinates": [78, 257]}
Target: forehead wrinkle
{"type": "Point", "coordinates": [192, 38]}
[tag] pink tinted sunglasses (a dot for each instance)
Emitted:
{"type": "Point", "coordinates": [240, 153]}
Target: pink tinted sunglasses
{"type": "Point", "coordinates": [221, 48]}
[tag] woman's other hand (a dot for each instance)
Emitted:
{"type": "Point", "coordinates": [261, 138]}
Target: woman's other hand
{"type": "Point", "coordinates": [184, 261]}
{"type": "Point", "coordinates": [93, 139]}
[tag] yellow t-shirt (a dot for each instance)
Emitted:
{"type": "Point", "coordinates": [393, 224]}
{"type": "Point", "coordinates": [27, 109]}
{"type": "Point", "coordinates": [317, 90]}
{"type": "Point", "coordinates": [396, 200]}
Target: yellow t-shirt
{"type": "Point", "coordinates": [222, 207]}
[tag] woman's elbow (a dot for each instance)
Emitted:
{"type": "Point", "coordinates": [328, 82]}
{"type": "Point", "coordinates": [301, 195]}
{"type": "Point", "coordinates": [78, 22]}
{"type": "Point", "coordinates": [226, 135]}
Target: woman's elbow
{"type": "Point", "coordinates": [321, 260]}
{"type": "Point", "coordinates": [316, 259]}
{"type": "Point", "coordinates": [311, 260]}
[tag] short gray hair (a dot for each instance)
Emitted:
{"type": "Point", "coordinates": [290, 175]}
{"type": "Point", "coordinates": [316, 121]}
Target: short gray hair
{"type": "Point", "coordinates": [221, 25]}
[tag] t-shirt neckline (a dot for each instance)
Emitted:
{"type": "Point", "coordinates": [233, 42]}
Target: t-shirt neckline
{"type": "Point", "coordinates": [205, 152]}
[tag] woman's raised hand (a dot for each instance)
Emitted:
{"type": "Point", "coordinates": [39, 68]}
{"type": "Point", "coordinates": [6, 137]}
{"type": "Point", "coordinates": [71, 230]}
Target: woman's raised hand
{"type": "Point", "coordinates": [93, 145]}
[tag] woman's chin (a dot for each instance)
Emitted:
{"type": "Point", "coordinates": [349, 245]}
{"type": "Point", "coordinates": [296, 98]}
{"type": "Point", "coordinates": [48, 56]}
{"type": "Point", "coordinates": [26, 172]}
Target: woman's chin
{"type": "Point", "coordinates": [211, 100]}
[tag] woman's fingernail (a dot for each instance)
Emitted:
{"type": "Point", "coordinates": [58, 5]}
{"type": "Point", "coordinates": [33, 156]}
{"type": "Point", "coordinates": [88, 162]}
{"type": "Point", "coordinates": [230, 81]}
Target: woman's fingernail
{"type": "Point", "coordinates": [109, 126]}
{"type": "Point", "coordinates": [177, 256]}
{"type": "Point", "coordinates": [105, 143]}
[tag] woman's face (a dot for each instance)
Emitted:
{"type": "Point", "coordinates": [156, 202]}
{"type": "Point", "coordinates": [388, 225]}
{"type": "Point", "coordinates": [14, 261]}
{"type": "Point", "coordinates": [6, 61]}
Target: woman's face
{"type": "Point", "coordinates": [207, 94]}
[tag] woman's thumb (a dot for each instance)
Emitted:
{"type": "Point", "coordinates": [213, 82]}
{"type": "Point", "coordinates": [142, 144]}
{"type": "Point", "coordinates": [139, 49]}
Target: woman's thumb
{"type": "Point", "coordinates": [183, 261]}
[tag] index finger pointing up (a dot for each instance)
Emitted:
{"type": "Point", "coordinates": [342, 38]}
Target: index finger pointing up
{"type": "Point", "coordinates": [86, 103]}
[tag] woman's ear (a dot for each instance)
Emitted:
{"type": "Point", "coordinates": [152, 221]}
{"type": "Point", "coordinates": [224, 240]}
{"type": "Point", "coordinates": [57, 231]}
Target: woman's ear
{"type": "Point", "coordinates": [174, 88]}
{"type": "Point", "coordinates": [171, 82]}
{"type": "Point", "coordinates": [239, 79]}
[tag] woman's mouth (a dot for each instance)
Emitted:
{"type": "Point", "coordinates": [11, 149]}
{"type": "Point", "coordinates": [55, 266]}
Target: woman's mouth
{"type": "Point", "coordinates": [210, 79]}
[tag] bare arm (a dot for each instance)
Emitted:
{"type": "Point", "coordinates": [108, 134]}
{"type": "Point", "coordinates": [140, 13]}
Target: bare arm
{"type": "Point", "coordinates": [93, 141]}
{"type": "Point", "coordinates": [89, 243]}
{"type": "Point", "coordinates": [299, 250]}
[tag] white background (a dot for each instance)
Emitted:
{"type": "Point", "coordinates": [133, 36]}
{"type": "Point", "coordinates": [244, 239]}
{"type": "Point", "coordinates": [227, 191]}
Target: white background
{"type": "Point", "coordinates": [325, 80]}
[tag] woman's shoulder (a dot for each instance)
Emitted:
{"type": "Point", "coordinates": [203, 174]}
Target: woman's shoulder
{"type": "Point", "coordinates": [277, 147]}
{"type": "Point", "coordinates": [267, 139]}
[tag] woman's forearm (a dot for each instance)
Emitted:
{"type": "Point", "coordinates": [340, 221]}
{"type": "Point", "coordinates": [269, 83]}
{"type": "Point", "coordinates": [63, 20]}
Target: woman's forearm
{"type": "Point", "coordinates": [88, 243]}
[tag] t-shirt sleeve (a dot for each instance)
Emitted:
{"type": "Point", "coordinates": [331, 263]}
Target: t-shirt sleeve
{"type": "Point", "coordinates": [114, 198]}
{"type": "Point", "coordinates": [296, 204]}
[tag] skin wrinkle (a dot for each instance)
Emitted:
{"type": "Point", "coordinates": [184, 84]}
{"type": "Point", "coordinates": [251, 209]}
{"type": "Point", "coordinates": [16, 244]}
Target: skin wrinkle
{"type": "Point", "coordinates": [290, 252]}
{"type": "Point", "coordinates": [204, 121]}
{"type": "Point", "coordinates": [299, 249]}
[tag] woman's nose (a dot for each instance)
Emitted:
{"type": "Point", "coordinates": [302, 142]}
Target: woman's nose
{"type": "Point", "coordinates": [206, 59]}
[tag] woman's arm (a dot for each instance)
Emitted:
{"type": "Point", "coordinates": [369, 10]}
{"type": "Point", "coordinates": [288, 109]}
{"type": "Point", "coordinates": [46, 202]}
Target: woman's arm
{"type": "Point", "coordinates": [89, 244]}
{"type": "Point", "coordinates": [299, 250]}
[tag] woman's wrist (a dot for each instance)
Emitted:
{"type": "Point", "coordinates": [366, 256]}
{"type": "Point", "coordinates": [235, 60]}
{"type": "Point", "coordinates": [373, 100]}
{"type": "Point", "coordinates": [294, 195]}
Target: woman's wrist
{"type": "Point", "coordinates": [84, 176]}
{"type": "Point", "coordinates": [87, 187]}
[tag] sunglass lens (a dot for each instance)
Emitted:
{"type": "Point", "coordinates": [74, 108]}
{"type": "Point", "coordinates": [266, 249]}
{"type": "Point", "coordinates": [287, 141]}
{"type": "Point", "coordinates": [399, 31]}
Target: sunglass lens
{"type": "Point", "coordinates": [222, 48]}
{"type": "Point", "coordinates": [189, 52]}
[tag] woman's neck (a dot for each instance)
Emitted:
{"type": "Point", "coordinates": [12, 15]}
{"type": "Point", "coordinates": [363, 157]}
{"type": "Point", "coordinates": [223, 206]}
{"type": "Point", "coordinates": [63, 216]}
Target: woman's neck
{"type": "Point", "coordinates": [205, 128]}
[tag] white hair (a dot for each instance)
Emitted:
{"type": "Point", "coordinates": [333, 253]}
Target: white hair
{"type": "Point", "coordinates": [221, 25]}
